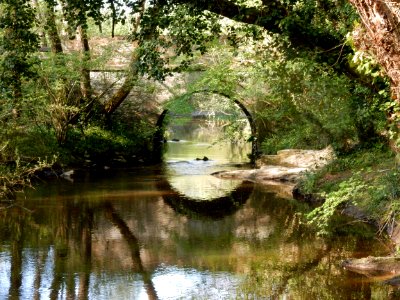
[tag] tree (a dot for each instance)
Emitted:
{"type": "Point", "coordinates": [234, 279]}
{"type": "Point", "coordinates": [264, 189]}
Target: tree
{"type": "Point", "coordinates": [379, 35]}
{"type": "Point", "coordinates": [17, 43]}
{"type": "Point", "coordinates": [167, 34]}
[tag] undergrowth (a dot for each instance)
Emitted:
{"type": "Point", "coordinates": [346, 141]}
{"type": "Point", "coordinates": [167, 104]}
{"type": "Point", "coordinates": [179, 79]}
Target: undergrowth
{"type": "Point", "coordinates": [368, 179]}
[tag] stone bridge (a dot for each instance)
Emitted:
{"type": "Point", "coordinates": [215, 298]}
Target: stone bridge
{"type": "Point", "coordinates": [149, 101]}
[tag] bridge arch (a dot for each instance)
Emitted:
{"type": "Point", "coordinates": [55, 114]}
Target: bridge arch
{"type": "Point", "coordinates": [158, 138]}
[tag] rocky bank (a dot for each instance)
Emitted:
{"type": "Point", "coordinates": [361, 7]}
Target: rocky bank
{"type": "Point", "coordinates": [286, 166]}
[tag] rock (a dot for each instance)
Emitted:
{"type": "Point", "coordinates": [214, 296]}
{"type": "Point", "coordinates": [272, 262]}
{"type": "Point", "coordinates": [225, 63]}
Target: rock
{"type": "Point", "coordinates": [205, 158]}
{"type": "Point", "coordinates": [120, 159]}
{"type": "Point", "coordinates": [281, 189]}
{"type": "Point", "coordinates": [175, 140]}
{"type": "Point", "coordinates": [49, 172]}
{"type": "Point", "coordinates": [264, 174]}
{"type": "Point", "coordinates": [68, 175]}
{"type": "Point", "coordinates": [287, 166]}
{"type": "Point", "coordinates": [309, 159]}
{"type": "Point", "coordinates": [236, 174]}
{"type": "Point", "coordinates": [381, 268]}
{"type": "Point", "coordinates": [311, 199]}
{"type": "Point", "coordinates": [395, 281]}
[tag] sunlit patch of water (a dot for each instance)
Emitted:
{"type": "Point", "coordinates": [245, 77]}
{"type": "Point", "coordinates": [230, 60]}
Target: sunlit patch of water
{"type": "Point", "coordinates": [177, 283]}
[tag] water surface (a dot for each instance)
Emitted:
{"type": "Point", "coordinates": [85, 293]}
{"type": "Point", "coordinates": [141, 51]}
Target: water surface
{"type": "Point", "coordinates": [174, 232]}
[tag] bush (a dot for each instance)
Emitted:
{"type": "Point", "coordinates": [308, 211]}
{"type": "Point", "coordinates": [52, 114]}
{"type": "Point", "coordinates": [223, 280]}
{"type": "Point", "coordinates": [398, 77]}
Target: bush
{"type": "Point", "coordinates": [100, 144]}
{"type": "Point", "coordinates": [301, 136]}
{"type": "Point", "coordinates": [368, 179]}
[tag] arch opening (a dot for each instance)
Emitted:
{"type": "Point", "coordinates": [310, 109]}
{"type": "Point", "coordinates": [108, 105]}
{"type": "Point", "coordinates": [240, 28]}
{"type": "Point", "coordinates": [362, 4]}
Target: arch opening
{"type": "Point", "coordinates": [193, 104]}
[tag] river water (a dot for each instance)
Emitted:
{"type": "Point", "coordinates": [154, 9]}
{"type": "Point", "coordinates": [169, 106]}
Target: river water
{"type": "Point", "coordinates": [174, 232]}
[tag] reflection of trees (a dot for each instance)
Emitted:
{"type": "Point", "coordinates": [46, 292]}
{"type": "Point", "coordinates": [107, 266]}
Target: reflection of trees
{"type": "Point", "coordinates": [133, 244]}
{"type": "Point", "coordinates": [69, 229]}
{"type": "Point", "coordinates": [60, 228]}
{"type": "Point", "coordinates": [72, 247]}
{"type": "Point", "coordinates": [277, 254]}
{"type": "Point", "coordinates": [40, 259]}
{"type": "Point", "coordinates": [86, 242]}
{"type": "Point", "coordinates": [16, 266]}
{"type": "Point", "coordinates": [15, 216]}
{"type": "Point", "coordinates": [298, 265]}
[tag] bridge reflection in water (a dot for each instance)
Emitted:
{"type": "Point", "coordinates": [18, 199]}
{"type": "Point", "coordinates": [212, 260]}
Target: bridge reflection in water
{"type": "Point", "coordinates": [215, 208]}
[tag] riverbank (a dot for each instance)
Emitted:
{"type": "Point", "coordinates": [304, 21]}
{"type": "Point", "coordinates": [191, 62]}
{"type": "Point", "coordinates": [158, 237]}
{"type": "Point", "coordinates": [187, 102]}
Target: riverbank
{"type": "Point", "coordinates": [364, 185]}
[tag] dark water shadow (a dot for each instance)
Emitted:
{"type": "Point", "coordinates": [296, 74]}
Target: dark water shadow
{"type": "Point", "coordinates": [213, 208]}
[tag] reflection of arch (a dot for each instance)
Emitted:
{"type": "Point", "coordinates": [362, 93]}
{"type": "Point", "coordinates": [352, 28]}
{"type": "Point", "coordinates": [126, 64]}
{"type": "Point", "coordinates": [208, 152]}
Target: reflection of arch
{"type": "Point", "coordinates": [215, 208]}
{"type": "Point", "coordinates": [158, 136]}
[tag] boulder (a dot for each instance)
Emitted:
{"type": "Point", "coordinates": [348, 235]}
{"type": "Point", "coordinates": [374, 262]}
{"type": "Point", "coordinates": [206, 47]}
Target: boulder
{"type": "Point", "coordinates": [310, 159]}
{"type": "Point", "coordinates": [286, 166]}
{"type": "Point", "coordinates": [264, 174]}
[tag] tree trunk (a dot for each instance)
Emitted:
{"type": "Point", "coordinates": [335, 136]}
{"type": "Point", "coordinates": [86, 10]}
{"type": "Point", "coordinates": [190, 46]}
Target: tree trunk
{"type": "Point", "coordinates": [116, 100]}
{"type": "Point", "coordinates": [380, 35]}
{"type": "Point", "coordinates": [86, 242]}
{"type": "Point", "coordinates": [119, 96]}
{"type": "Point", "coordinates": [16, 269]}
{"type": "Point", "coordinates": [41, 17]}
{"type": "Point", "coordinates": [54, 37]}
{"type": "Point", "coordinates": [133, 244]}
{"type": "Point", "coordinates": [85, 72]}
{"type": "Point", "coordinates": [113, 17]}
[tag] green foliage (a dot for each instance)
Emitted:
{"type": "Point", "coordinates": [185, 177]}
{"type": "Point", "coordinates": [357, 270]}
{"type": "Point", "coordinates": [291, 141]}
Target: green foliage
{"type": "Point", "coordinates": [97, 142]}
{"type": "Point", "coordinates": [76, 13]}
{"type": "Point", "coordinates": [383, 204]}
{"type": "Point", "coordinates": [172, 31]}
{"type": "Point", "coordinates": [221, 75]}
{"type": "Point", "coordinates": [101, 145]}
{"type": "Point", "coordinates": [349, 190]}
{"type": "Point", "coordinates": [327, 179]}
{"type": "Point", "coordinates": [309, 102]}
{"type": "Point", "coordinates": [180, 105]}
{"type": "Point", "coordinates": [361, 159]}
{"type": "Point", "coordinates": [308, 182]}
{"type": "Point", "coordinates": [17, 43]}
{"type": "Point", "coordinates": [302, 136]}
{"type": "Point", "coordinates": [16, 171]}
{"type": "Point", "coordinates": [366, 179]}
{"type": "Point", "coordinates": [237, 130]}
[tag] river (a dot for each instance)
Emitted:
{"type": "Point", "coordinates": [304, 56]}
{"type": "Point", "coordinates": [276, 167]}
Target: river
{"type": "Point", "coordinates": [173, 231]}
